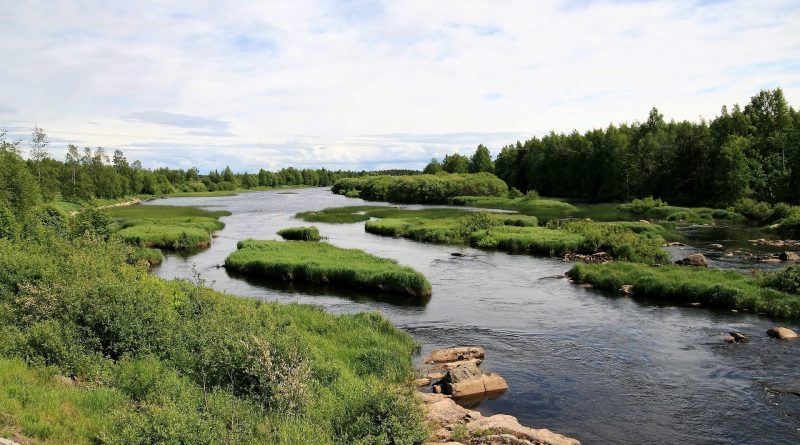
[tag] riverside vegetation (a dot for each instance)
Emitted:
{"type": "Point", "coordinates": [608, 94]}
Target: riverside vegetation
{"type": "Point", "coordinates": [300, 233]}
{"type": "Point", "coordinates": [169, 227]}
{"type": "Point", "coordinates": [325, 264]}
{"type": "Point", "coordinates": [774, 293]}
{"type": "Point", "coordinates": [152, 361]}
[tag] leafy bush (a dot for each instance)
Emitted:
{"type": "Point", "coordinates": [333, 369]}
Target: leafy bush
{"type": "Point", "coordinates": [514, 193]}
{"type": "Point", "coordinates": [785, 280]}
{"type": "Point", "coordinates": [639, 206]}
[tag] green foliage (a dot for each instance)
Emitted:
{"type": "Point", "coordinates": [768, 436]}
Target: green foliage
{"type": "Point", "coordinates": [640, 206]}
{"type": "Point", "coordinates": [300, 233]}
{"type": "Point", "coordinates": [530, 204]}
{"type": "Point", "coordinates": [617, 239]}
{"type": "Point", "coordinates": [423, 189]}
{"type": "Point", "coordinates": [338, 215]}
{"type": "Point", "coordinates": [8, 223]}
{"type": "Point", "coordinates": [514, 193]}
{"type": "Point", "coordinates": [160, 361]}
{"type": "Point", "coordinates": [785, 280]}
{"type": "Point", "coordinates": [481, 161]}
{"type": "Point", "coordinates": [322, 263]}
{"type": "Point", "coordinates": [679, 284]}
{"type": "Point", "coordinates": [94, 222]}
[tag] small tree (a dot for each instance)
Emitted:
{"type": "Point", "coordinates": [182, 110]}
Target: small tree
{"type": "Point", "coordinates": [433, 167]}
{"type": "Point", "coordinates": [481, 161]}
{"type": "Point", "coordinates": [39, 149]}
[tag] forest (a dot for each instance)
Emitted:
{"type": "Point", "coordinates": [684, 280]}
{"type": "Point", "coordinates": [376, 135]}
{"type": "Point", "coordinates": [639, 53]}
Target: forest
{"type": "Point", "coordinates": [746, 152]}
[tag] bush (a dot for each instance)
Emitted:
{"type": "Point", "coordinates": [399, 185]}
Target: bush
{"type": "Point", "coordinates": [785, 280]}
{"type": "Point", "coordinates": [514, 193]}
{"type": "Point", "coordinates": [640, 206]}
{"type": "Point", "coordinates": [423, 189]}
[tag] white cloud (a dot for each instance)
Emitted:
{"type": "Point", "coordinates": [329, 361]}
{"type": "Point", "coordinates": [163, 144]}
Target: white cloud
{"type": "Point", "coordinates": [272, 83]}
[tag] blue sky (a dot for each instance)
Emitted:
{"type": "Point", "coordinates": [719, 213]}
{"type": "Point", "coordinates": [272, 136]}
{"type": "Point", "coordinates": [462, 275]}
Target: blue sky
{"type": "Point", "coordinates": [371, 84]}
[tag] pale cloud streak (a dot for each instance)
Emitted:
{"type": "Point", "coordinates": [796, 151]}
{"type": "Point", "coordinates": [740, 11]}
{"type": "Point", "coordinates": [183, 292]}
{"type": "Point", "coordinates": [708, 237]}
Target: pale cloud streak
{"type": "Point", "coordinates": [365, 83]}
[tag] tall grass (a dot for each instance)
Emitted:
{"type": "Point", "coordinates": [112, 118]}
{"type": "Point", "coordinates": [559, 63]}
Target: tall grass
{"type": "Point", "coordinates": [300, 233]}
{"type": "Point", "coordinates": [716, 288]}
{"type": "Point", "coordinates": [322, 263]}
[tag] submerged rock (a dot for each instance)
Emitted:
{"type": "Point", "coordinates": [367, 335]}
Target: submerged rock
{"type": "Point", "coordinates": [738, 337]}
{"type": "Point", "coordinates": [782, 333]}
{"type": "Point", "coordinates": [694, 260]}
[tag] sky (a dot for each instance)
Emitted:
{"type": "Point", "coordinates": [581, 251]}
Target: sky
{"type": "Point", "coordinates": [359, 84]}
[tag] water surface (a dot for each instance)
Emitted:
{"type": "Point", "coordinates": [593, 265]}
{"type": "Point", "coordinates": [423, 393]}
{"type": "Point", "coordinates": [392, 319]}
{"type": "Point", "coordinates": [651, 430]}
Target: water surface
{"type": "Point", "coordinates": [595, 366]}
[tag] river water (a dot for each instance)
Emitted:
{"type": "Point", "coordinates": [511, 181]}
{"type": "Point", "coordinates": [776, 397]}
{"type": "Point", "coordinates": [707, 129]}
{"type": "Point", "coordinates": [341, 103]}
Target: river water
{"type": "Point", "coordinates": [599, 367]}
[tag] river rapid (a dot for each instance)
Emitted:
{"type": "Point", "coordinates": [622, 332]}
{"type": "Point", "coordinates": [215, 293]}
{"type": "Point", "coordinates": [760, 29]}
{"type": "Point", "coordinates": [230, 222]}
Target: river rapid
{"type": "Point", "coordinates": [599, 367]}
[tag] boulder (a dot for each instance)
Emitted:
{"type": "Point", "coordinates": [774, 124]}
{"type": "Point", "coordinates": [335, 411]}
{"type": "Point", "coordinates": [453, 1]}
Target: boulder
{"type": "Point", "coordinates": [716, 246]}
{"type": "Point", "coordinates": [509, 425]}
{"type": "Point", "coordinates": [729, 339]}
{"type": "Point", "coordinates": [695, 260]}
{"type": "Point", "coordinates": [455, 354]}
{"type": "Point", "coordinates": [468, 381]}
{"type": "Point", "coordinates": [789, 256]}
{"type": "Point", "coordinates": [738, 337]}
{"type": "Point", "coordinates": [442, 412]}
{"type": "Point", "coordinates": [422, 382]}
{"type": "Point", "coordinates": [782, 333]}
{"type": "Point", "coordinates": [626, 289]}
{"type": "Point", "coordinates": [674, 244]}
{"type": "Point", "coordinates": [493, 383]}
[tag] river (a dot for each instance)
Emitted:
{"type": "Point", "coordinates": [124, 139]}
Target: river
{"type": "Point", "coordinates": [599, 367]}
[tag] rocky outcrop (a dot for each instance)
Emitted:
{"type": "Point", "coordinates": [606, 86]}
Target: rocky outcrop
{"type": "Point", "coordinates": [595, 258]}
{"type": "Point", "coordinates": [782, 333]}
{"type": "Point", "coordinates": [694, 260]}
{"type": "Point", "coordinates": [451, 365]}
{"type": "Point", "coordinates": [789, 256]}
{"type": "Point", "coordinates": [442, 414]}
{"type": "Point", "coordinates": [455, 354]}
{"type": "Point", "coordinates": [468, 381]}
{"type": "Point", "coordinates": [508, 425]}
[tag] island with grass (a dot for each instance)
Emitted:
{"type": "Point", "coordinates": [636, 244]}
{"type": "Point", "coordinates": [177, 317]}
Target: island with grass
{"type": "Point", "coordinates": [325, 264]}
{"type": "Point", "coordinates": [169, 227]}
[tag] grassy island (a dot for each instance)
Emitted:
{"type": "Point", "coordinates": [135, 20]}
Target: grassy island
{"type": "Point", "coordinates": [300, 233]}
{"type": "Point", "coordinates": [773, 293]}
{"type": "Point", "coordinates": [421, 189]}
{"type": "Point", "coordinates": [325, 264]}
{"type": "Point", "coordinates": [170, 227]}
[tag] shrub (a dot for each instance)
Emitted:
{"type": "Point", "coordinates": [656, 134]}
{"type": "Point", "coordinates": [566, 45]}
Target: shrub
{"type": "Point", "coordinates": [423, 189]}
{"type": "Point", "coordinates": [785, 280]}
{"type": "Point", "coordinates": [514, 193]}
{"type": "Point", "coordinates": [639, 206]}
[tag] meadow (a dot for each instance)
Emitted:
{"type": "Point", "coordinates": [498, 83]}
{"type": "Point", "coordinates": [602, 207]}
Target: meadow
{"type": "Point", "coordinates": [773, 293]}
{"type": "Point", "coordinates": [170, 227]}
{"type": "Point", "coordinates": [93, 350]}
{"type": "Point", "coordinates": [325, 264]}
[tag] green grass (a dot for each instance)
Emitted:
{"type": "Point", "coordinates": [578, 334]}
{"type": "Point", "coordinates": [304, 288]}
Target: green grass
{"type": "Point", "coordinates": [160, 361]}
{"type": "Point", "coordinates": [38, 407]}
{"type": "Point", "coordinates": [325, 264]}
{"type": "Point", "coordinates": [300, 233]}
{"type": "Point", "coordinates": [544, 209]}
{"type": "Point", "coordinates": [170, 227]}
{"type": "Point", "coordinates": [338, 215]}
{"type": "Point", "coordinates": [420, 189]}
{"type": "Point", "coordinates": [715, 288]}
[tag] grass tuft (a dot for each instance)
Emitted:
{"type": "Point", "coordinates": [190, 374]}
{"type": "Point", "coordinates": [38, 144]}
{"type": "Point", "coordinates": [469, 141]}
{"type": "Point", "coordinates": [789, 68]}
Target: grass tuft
{"type": "Point", "coordinates": [300, 233]}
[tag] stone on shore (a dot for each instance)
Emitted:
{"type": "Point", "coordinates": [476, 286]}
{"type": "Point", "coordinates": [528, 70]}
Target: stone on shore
{"type": "Point", "coordinates": [468, 381]}
{"type": "Point", "coordinates": [789, 256]}
{"type": "Point", "coordinates": [452, 365]}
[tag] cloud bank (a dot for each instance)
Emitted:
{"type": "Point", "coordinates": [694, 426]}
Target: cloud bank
{"type": "Point", "coordinates": [372, 84]}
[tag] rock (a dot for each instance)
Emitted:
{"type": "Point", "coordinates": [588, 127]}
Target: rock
{"type": "Point", "coordinates": [64, 380]}
{"type": "Point", "coordinates": [510, 425]}
{"type": "Point", "coordinates": [453, 365]}
{"type": "Point", "coordinates": [437, 389]}
{"type": "Point", "coordinates": [493, 383]}
{"type": "Point", "coordinates": [644, 221]}
{"type": "Point", "coordinates": [728, 254]}
{"type": "Point", "coordinates": [694, 260]}
{"type": "Point", "coordinates": [454, 354]}
{"type": "Point", "coordinates": [587, 285]}
{"type": "Point", "coordinates": [695, 304]}
{"type": "Point", "coordinates": [782, 333]}
{"type": "Point", "coordinates": [789, 256]}
{"type": "Point", "coordinates": [423, 382]}
{"type": "Point", "coordinates": [674, 244]}
{"type": "Point", "coordinates": [442, 412]}
{"type": "Point", "coordinates": [738, 337]}
{"type": "Point", "coordinates": [595, 258]}
{"type": "Point", "coordinates": [716, 246]}
{"type": "Point", "coordinates": [7, 442]}
{"type": "Point", "coordinates": [435, 375]}
{"type": "Point", "coordinates": [626, 289]}
{"type": "Point", "coordinates": [459, 254]}
{"type": "Point", "coordinates": [499, 439]}
{"type": "Point", "coordinates": [463, 373]}
{"type": "Point", "coordinates": [729, 339]}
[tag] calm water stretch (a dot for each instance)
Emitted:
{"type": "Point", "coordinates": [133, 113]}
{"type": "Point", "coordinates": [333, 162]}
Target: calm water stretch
{"type": "Point", "coordinates": [598, 367]}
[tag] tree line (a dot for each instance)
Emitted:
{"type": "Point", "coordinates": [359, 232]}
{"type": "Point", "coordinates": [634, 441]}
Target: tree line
{"type": "Point", "coordinates": [88, 173]}
{"type": "Point", "coordinates": [750, 152]}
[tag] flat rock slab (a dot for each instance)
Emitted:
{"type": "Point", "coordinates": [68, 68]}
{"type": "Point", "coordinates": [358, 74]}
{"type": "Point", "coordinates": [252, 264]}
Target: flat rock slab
{"type": "Point", "coordinates": [509, 425]}
{"type": "Point", "coordinates": [455, 354]}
